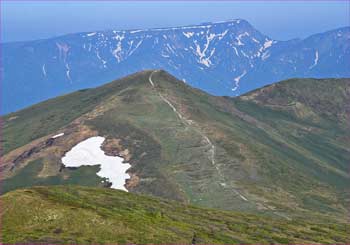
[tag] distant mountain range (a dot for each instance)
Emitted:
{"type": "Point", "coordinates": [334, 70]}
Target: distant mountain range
{"type": "Point", "coordinates": [283, 149]}
{"type": "Point", "coordinates": [222, 58]}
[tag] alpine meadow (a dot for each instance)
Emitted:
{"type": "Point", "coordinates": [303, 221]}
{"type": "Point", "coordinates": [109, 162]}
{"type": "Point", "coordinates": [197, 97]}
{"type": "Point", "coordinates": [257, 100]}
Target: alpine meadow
{"type": "Point", "coordinates": [210, 133]}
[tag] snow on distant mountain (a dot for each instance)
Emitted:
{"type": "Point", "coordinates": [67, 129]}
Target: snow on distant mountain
{"type": "Point", "coordinates": [222, 58]}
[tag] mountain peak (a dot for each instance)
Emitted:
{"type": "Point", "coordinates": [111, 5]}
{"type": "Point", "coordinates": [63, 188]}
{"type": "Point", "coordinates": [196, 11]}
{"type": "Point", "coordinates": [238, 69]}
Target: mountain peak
{"type": "Point", "coordinates": [227, 57]}
{"type": "Point", "coordinates": [141, 80]}
{"type": "Point", "coordinates": [165, 128]}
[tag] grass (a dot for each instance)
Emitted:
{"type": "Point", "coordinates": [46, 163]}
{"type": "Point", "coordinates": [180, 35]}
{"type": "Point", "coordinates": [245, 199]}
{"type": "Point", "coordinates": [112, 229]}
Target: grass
{"type": "Point", "coordinates": [275, 145]}
{"type": "Point", "coordinates": [21, 127]}
{"type": "Point", "coordinates": [72, 214]}
{"type": "Point", "coordinates": [28, 176]}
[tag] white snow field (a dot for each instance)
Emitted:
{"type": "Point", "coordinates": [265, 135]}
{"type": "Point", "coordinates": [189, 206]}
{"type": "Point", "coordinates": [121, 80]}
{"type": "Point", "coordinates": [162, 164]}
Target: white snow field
{"type": "Point", "coordinates": [89, 153]}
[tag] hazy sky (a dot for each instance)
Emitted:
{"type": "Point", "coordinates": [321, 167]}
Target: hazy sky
{"type": "Point", "coordinates": [26, 20]}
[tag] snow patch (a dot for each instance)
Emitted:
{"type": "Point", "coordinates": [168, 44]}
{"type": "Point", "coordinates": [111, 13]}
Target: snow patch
{"type": "Point", "coordinates": [136, 31]}
{"type": "Point", "coordinates": [221, 36]}
{"type": "Point", "coordinates": [137, 45]}
{"type": "Point", "coordinates": [57, 135]}
{"type": "Point", "coordinates": [265, 55]}
{"type": "Point", "coordinates": [315, 60]}
{"type": "Point", "coordinates": [89, 153]}
{"type": "Point", "coordinates": [117, 52]}
{"type": "Point", "coordinates": [239, 42]}
{"type": "Point", "coordinates": [268, 44]}
{"type": "Point", "coordinates": [180, 28]}
{"type": "Point", "coordinates": [68, 72]}
{"type": "Point", "coordinates": [202, 53]}
{"type": "Point", "coordinates": [236, 51]}
{"type": "Point", "coordinates": [170, 48]}
{"type": "Point", "coordinates": [254, 40]}
{"type": "Point", "coordinates": [188, 34]}
{"type": "Point", "coordinates": [244, 54]}
{"type": "Point", "coordinates": [102, 60]}
{"type": "Point", "coordinates": [119, 37]}
{"type": "Point", "coordinates": [63, 50]}
{"type": "Point", "coordinates": [44, 70]}
{"type": "Point", "coordinates": [237, 79]}
{"type": "Point", "coordinates": [226, 21]}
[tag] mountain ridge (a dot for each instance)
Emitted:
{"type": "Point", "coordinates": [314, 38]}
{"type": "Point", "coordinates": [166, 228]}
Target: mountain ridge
{"type": "Point", "coordinates": [341, 28]}
{"type": "Point", "coordinates": [186, 26]}
{"type": "Point", "coordinates": [263, 146]}
{"type": "Point", "coordinates": [227, 58]}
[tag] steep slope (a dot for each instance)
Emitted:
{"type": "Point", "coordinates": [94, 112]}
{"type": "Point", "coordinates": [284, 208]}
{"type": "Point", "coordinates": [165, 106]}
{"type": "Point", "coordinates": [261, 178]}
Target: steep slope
{"type": "Point", "coordinates": [224, 58]}
{"type": "Point", "coordinates": [71, 215]}
{"type": "Point", "coordinates": [281, 150]}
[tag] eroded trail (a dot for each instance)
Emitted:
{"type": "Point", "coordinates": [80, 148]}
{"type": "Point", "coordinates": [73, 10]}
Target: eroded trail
{"type": "Point", "coordinates": [192, 124]}
{"type": "Point", "coordinates": [211, 147]}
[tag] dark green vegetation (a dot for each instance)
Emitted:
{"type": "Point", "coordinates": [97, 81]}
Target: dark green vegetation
{"type": "Point", "coordinates": [85, 175]}
{"type": "Point", "coordinates": [71, 214]}
{"type": "Point", "coordinates": [46, 117]}
{"type": "Point", "coordinates": [282, 151]}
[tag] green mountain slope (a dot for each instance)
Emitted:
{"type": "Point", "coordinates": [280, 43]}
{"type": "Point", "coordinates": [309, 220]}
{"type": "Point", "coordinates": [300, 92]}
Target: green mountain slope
{"type": "Point", "coordinates": [282, 150]}
{"type": "Point", "coordinates": [69, 215]}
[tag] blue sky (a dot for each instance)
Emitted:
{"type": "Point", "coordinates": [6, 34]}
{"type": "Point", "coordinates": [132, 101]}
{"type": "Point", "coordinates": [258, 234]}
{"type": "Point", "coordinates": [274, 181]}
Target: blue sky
{"type": "Point", "coordinates": [27, 20]}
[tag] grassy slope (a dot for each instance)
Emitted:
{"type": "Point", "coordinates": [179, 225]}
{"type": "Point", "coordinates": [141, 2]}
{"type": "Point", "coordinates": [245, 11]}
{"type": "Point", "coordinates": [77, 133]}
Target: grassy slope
{"type": "Point", "coordinates": [68, 214]}
{"type": "Point", "coordinates": [296, 172]}
{"type": "Point", "coordinates": [21, 127]}
{"type": "Point", "coordinates": [85, 175]}
{"type": "Point", "coordinates": [288, 158]}
{"type": "Point", "coordinates": [312, 117]}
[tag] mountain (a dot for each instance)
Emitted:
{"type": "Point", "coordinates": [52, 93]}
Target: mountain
{"type": "Point", "coordinates": [282, 150]}
{"type": "Point", "coordinates": [222, 58]}
{"type": "Point", "coordinates": [85, 215]}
